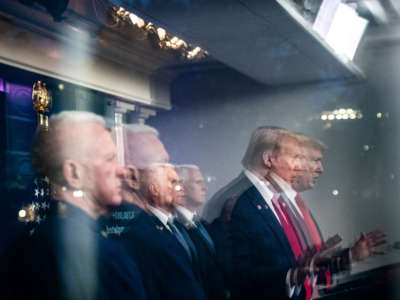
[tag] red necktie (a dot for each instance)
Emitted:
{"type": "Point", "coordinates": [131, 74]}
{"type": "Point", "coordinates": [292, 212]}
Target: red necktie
{"type": "Point", "coordinates": [312, 228]}
{"type": "Point", "coordinates": [291, 235]}
{"type": "Point", "coordinates": [287, 226]}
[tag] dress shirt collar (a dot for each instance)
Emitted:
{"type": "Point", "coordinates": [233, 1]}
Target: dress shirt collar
{"type": "Point", "coordinates": [287, 190]}
{"type": "Point", "coordinates": [263, 188]}
{"type": "Point", "coordinates": [187, 214]}
{"type": "Point", "coordinates": [161, 214]}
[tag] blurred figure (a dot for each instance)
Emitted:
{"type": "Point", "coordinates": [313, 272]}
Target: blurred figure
{"type": "Point", "coordinates": [263, 247]}
{"type": "Point", "coordinates": [142, 148]}
{"type": "Point", "coordinates": [67, 258]}
{"type": "Point", "coordinates": [164, 256]}
{"type": "Point", "coordinates": [313, 150]}
{"type": "Point", "coordinates": [194, 195]}
{"type": "Point", "coordinates": [258, 260]}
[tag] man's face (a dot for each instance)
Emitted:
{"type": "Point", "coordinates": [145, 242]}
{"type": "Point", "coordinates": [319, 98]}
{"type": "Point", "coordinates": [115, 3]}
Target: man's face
{"type": "Point", "coordinates": [167, 186]}
{"type": "Point", "coordinates": [308, 177]}
{"type": "Point", "coordinates": [103, 171]}
{"type": "Point", "coordinates": [178, 189]}
{"type": "Point", "coordinates": [195, 189]}
{"type": "Point", "coordinates": [289, 162]}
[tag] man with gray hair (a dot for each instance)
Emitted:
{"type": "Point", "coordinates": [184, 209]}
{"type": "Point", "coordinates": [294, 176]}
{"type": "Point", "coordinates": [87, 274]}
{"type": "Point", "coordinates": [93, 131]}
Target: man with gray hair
{"type": "Point", "coordinates": [67, 258]}
{"type": "Point", "coordinates": [142, 149]}
{"type": "Point", "coordinates": [194, 195]}
{"type": "Point", "coordinates": [163, 253]}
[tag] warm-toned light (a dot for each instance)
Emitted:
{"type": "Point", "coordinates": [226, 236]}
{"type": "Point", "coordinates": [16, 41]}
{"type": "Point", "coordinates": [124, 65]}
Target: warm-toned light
{"type": "Point", "coordinates": [164, 40]}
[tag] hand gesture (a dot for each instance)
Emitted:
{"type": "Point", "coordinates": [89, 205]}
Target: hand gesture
{"type": "Point", "coordinates": [365, 246]}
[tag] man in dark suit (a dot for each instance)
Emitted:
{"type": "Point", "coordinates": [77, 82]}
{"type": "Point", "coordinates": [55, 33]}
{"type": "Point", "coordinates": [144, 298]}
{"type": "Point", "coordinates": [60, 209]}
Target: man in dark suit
{"type": "Point", "coordinates": [66, 257]}
{"type": "Point", "coordinates": [270, 254]}
{"type": "Point", "coordinates": [163, 255]}
{"type": "Point", "coordinates": [142, 147]}
{"type": "Point", "coordinates": [194, 190]}
{"type": "Point", "coordinates": [255, 254]}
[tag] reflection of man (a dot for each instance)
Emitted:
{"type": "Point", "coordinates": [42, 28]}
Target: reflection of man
{"type": "Point", "coordinates": [186, 206]}
{"type": "Point", "coordinates": [312, 168]}
{"type": "Point", "coordinates": [67, 258]}
{"type": "Point", "coordinates": [163, 254]}
{"type": "Point", "coordinates": [142, 148]}
{"type": "Point", "coordinates": [261, 260]}
{"type": "Point", "coordinates": [272, 243]}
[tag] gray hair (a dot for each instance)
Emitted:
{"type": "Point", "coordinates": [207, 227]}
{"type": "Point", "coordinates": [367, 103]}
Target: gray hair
{"type": "Point", "coordinates": [48, 147]}
{"type": "Point", "coordinates": [76, 117]}
{"type": "Point", "coordinates": [183, 171]}
{"type": "Point", "coordinates": [262, 140]}
{"type": "Point", "coordinates": [131, 129]}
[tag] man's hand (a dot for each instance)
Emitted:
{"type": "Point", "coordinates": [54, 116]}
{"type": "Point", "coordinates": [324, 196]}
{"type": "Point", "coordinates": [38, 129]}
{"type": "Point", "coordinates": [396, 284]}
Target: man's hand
{"type": "Point", "coordinates": [365, 245]}
{"type": "Point", "coordinates": [311, 263]}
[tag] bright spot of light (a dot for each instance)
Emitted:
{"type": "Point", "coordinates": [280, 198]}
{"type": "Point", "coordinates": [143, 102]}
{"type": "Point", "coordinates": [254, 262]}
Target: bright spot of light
{"type": "Point", "coordinates": [366, 147]}
{"type": "Point", "coordinates": [324, 117]}
{"type": "Point", "coordinates": [61, 87]}
{"type": "Point", "coordinates": [379, 115]}
{"type": "Point", "coordinates": [352, 116]}
{"type": "Point", "coordinates": [341, 27]}
{"type": "Point", "coordinates": [22, 213]}
{"type": "Point", "coordinates": [342, 111]}
{"type": "Point", "coordinates": [331, 117]}
{"type": "Point", "coordinates": [78, 194]}
{"type": "Point", "coordinates": [345, 116]}
{"type": "Point", "coordinates": [178, 188]}
{"type": "Point", "coordinates": [335, 192]}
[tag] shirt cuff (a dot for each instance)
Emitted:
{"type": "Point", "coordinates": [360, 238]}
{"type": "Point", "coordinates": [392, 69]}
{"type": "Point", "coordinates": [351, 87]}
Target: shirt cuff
{"type": "Point", "coordinates": [292, 289]}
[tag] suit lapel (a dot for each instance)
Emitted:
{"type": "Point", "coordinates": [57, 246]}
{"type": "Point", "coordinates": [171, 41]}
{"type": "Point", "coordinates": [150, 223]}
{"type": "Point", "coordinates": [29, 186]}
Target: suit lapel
{"type": "Point", "coordinates": [262, 208]}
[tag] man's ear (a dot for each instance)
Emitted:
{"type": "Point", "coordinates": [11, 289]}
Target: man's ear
{"type": "Point", "coordinates": [267, 159]}
{"type": "Point", "coordinates": [131, 177]}
{"type": "Point", "coordinates": [73, 174]}
{"type": "Point", "coordinates": [154, 190]}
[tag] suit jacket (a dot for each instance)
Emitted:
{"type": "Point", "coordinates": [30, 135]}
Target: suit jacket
{"type": "Point", "coordinates": [206, 265]}
{"type": "Point", "coordinates": [119, 218]}
{"type": "Point", "coordinates": [67, 258]}
{"type": "Point", "coordinates": [260, 252]}
{"type": "Point", "coordinates": [166, 269]}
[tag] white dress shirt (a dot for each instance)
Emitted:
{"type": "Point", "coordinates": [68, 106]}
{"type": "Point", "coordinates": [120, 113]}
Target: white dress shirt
{"type": "Point", "coordinates": [187, 214]}
{"type": "Point", "coordinates": [287, 190]}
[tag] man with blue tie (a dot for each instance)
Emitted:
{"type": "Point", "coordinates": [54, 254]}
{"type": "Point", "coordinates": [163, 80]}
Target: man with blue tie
{"type": "Point", "coordinates": [194, 195]}
{"type": "Point", "coordinates": [163, 254]}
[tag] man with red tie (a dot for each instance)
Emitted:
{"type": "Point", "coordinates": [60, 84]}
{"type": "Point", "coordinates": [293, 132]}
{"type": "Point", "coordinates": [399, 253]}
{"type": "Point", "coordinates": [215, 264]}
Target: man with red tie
{"type": "Point", "coordinates": [310, 153]}
{"type": "Point", "coordinates": [265, 259]}
{"type": "Point", "coordinates": [274, 242]}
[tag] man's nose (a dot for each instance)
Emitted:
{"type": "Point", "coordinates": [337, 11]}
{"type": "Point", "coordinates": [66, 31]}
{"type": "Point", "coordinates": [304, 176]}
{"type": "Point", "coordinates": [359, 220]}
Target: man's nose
{"type": "Point", "coordinates": [121, 171]}
{"type": "Point", "coordinates": [320, 167]}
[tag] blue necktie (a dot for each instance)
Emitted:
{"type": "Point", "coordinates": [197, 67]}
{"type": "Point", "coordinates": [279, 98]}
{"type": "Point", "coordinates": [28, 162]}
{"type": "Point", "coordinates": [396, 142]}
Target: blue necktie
{"type": "Point", "coordinates": [179, 237]}
{"type": "Point", "coordinates": [205, 236]}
